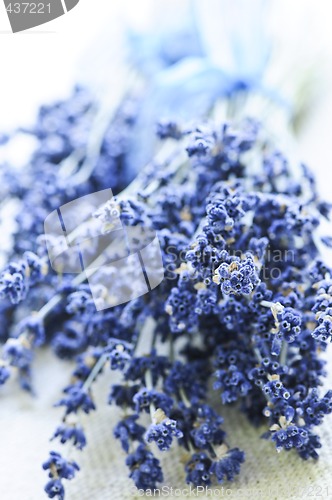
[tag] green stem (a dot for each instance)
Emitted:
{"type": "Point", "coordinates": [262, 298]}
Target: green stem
{"type": "Point", "coordinates": [184, 398]}
{"type": "Point", "coordinates": [95, 372]}
{"type": "Point", "coordinates": [283, 353]}
{"type": "Point", "coordinates": [149, 386]}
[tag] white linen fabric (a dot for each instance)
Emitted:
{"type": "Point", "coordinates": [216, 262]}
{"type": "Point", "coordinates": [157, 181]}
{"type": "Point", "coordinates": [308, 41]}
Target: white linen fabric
{"type": "Point", "coordinates": [27, 422]}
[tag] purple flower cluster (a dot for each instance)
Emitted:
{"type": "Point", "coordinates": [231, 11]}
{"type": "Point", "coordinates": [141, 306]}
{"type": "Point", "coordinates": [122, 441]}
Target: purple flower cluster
{"type": "Point", "coordinates": [237, 276]}
{"type": "Point", "coordinates": [17, 278]}
{"type": "Point", "coordinates": [59, 468]}
{"type": "Point", "coordinates": [162, 434]}
{"type": "Point", "coordinates": [246, 302]}
{"type": "Point", "coordinates": [201, 470]}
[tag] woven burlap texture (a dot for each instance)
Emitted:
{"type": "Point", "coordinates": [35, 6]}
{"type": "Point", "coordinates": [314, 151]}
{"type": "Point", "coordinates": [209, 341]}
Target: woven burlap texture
{"type": "Point", "coordinates": [27, 423]}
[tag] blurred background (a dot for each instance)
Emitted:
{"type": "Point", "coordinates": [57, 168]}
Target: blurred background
{"type": "Point", "coordinates": [88, 45]}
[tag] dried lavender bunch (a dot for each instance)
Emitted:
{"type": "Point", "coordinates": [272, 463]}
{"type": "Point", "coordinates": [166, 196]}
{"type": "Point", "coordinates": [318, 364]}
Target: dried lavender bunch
{"type": "Point", "coordinates": [245, 303]}
{"type": "Point", "coordinates": [77, 149]}
{"type": "Point", "coordinates": [73, 156]}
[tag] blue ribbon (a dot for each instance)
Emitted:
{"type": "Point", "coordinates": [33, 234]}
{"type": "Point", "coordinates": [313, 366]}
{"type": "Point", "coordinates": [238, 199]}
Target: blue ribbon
{"type": "Point", "coordinates": [231, 50]}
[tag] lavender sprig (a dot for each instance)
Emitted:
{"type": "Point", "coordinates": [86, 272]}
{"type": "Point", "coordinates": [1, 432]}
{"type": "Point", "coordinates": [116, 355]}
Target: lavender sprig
{"type": "Point", "coordinates": [244, 303]}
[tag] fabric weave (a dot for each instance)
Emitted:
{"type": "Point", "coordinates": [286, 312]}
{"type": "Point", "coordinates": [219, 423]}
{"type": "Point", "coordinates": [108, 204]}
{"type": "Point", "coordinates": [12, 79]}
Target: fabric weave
{"type": "Point", "coordinates": [27, 423]}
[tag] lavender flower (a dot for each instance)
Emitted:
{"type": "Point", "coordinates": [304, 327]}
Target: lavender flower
{"type": "Point", "coordinates": [163, 433]}
{"type": "Point", "coordinates": [13, 282]}
{"type": "Point", "coordinates": [59, 468]}
{"type": "Point", "coordinates": [228, 466]}
{"type": "Point", "coordinates": [72, 433]}
{"type": "Point", "coordinates": [246, 301]}
{"type": "Point", "coordinates": [144, 468]}
{"type": "Point", "coordinates": [128, 430]}
{"type": "Point", "coordinates": [77, 398]}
